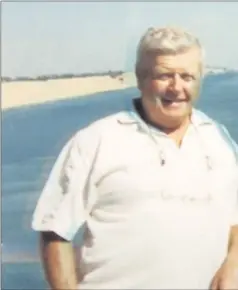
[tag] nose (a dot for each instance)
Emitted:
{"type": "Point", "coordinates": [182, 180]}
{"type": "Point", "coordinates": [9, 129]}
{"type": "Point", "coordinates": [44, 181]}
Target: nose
{"type": "Point", "coordinates": [176, 83]}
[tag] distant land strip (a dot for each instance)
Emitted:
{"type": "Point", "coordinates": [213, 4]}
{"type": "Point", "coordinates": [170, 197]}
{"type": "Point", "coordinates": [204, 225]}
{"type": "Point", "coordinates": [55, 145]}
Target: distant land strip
{"type": "Point", "coordinates": [112, 74]}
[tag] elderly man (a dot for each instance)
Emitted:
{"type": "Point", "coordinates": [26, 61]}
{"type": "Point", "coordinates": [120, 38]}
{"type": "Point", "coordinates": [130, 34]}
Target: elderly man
{"type": "Point", "coordinates": [154, 185]}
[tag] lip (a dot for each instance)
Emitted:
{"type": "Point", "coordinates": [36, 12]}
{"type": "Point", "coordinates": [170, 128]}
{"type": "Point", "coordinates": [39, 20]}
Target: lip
{"type": "Point", "coordinates": [173, 104]}
{"type": "Point", "coordinates": [174, 101]}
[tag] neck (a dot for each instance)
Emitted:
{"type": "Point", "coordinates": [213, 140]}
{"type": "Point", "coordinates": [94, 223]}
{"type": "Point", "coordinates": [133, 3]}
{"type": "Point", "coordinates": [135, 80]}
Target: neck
{"type": "Point", "coordinates": [178, 133]}
{"type": "Point", "coordinates": [175, 132]}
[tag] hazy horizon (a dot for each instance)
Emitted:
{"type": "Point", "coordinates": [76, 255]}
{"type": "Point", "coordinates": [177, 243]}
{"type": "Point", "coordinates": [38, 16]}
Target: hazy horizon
{"type": "Point", "coordinates": [43, 38]}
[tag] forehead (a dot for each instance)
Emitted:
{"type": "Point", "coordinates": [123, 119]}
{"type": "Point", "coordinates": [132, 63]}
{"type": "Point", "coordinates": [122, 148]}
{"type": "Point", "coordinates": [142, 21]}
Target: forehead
{"type": "Point", "coordinates": [187, 61]}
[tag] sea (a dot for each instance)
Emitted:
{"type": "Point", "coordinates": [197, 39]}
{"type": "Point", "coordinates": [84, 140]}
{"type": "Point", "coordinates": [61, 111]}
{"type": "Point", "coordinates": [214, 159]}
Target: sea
{"type": "Point", "coordinates": [33, 136]}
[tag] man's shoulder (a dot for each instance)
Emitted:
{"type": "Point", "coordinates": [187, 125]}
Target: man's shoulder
{"type": "Point", "coordinates": [101, 127]}
{"type": "Point", "coordinates": [205, 122]}
{"type": "Point", "coordinates": [106, 122]}
{"type": "Point", "coordinates": [216, 134]}
{"type": "Point", "coordinates": [201, 118]}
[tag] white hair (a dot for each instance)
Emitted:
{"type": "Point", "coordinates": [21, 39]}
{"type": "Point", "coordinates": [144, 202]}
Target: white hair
{"type": "Point", "coordinates": [165, 41]}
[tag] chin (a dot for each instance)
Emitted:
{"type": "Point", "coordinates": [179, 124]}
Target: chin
{"type": "Point", "coordinates": [181, 111]}
{"type": "Point", "coordinates": [175, 118]}
{"type": "Point", "coordinates": [177, 113]}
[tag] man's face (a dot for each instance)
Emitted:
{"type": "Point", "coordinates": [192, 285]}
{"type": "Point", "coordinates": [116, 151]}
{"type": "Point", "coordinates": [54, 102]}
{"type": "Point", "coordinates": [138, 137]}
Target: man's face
{"type": "Point", "coordinates": [171, 86]}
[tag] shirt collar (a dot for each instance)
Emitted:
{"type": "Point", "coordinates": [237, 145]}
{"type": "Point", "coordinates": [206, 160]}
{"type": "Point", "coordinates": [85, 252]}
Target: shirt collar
{"type": "Point", "coordinates": [131, 116]}
{"type": "Point", "coordinates": [199, 118]}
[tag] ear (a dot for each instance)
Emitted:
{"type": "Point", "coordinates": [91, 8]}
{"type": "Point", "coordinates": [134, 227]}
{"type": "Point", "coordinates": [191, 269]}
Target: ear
{"type": "Point", "coordinates": [202, 70]}
{"type": "Point", "coordinates": [139, 84]}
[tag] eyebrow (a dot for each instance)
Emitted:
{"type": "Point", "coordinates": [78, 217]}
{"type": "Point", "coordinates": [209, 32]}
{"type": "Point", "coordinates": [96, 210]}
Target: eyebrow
{"type": "Point", "coordinates": [169, 72]}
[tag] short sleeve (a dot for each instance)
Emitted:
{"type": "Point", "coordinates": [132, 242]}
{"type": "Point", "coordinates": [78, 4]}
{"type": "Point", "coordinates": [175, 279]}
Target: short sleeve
{"type": "Point", "coordinates": [234, 220]}
{"type": "Point", "coordinates": [234, 147]}
{"type": "Point", "coordinates": [64, 204]}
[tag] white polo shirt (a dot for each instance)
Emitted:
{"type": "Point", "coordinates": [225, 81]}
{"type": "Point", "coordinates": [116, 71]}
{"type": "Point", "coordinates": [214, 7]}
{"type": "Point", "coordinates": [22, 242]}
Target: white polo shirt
{"type": "Point", "coordinates": [157, 216]}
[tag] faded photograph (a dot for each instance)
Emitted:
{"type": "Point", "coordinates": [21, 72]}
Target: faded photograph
{"type": "Point", "coordinates": [119, 145]}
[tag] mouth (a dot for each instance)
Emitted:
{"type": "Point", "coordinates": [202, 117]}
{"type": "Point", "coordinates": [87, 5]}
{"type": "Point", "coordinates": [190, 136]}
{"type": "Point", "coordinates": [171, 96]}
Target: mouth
{"type": "Point", "coordinates": [174, 104]}
{"type": "Point", "coordinates": [173, 101]}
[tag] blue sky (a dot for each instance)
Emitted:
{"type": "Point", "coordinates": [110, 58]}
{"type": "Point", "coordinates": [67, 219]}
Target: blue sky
{"type": "Point", "coordinates": [74, 37]}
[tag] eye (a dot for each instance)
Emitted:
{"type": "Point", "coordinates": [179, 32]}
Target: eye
{"type": "Point", "coordinates": [187, 77]}
{"type": "Point", "coordinates": [162, 76]}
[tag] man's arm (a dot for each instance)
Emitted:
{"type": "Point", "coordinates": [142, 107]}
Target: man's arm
{"type": "Point", "coordinates": [226, 277]}
{"type": "Point", "coordinates": [59, 261]}
{"type": "Point", "coordinates": [233, 243]}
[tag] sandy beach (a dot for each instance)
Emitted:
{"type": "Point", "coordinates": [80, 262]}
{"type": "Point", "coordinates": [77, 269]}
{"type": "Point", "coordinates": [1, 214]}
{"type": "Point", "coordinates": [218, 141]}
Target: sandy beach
{"type": "Point", "coordinates": [20, 93]}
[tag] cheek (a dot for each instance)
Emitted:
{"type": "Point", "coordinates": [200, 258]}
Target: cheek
{"type": "Point", "coordinates": [193, 91]}
{"type": "Point", "coordinates": [158, 87]}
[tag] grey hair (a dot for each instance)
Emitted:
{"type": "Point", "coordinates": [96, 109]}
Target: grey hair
{"type": "Point", "coordinates": [165, 41]}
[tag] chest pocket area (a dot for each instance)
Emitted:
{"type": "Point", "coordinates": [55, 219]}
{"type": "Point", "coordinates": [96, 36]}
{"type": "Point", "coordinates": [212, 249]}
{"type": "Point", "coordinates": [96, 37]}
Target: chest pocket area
{"type": "Point", "coordinates": [128, 185]}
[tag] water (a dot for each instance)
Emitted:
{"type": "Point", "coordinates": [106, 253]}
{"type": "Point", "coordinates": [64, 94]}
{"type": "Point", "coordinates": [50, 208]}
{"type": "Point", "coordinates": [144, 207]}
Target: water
{"type": "Point", "coordinates": [31, 140]}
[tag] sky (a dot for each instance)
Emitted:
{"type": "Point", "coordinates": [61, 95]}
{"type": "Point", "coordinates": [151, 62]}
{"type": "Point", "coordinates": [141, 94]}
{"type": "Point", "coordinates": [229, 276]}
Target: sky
{"type": "Point", "coordinates": [76, 37]}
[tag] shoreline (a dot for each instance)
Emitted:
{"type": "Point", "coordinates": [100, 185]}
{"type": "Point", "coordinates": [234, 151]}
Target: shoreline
{"type": "Point", "coordinates": [25, 93]}
{"type": "Point", "coordinates": [16, 94]}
